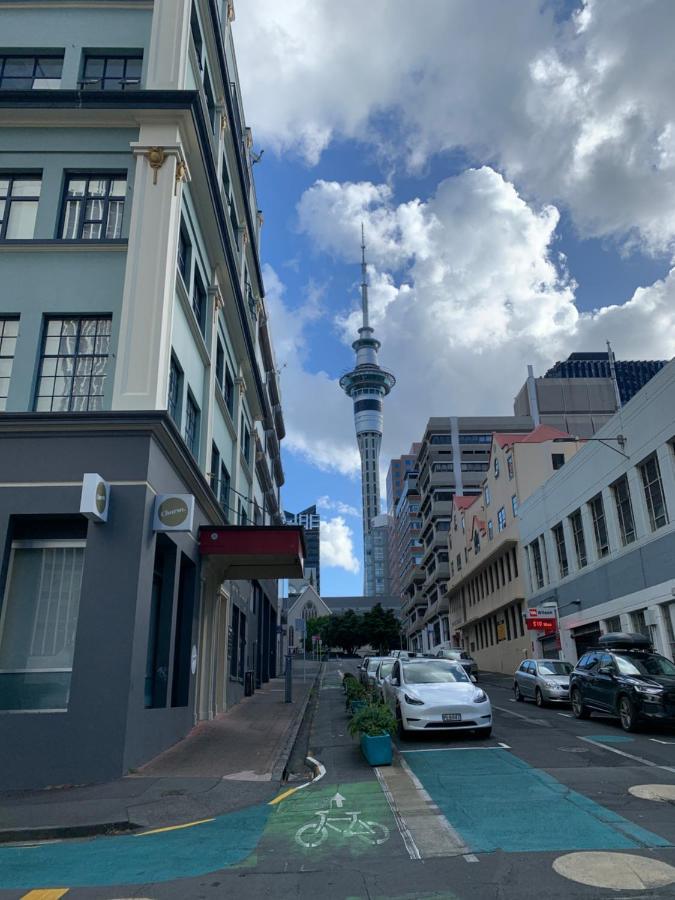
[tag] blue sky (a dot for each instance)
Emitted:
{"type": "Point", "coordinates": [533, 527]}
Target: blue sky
{"type": "Point", "coordinates": [516, 177]}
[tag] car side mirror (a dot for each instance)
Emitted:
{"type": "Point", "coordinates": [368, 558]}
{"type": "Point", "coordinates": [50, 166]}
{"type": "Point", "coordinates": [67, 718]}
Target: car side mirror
{"type": "Point", "coordinates": [605, 670]}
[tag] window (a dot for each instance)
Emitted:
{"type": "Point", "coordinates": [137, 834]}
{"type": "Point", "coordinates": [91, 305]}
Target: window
{"type": "Point", "coordinates": [651, 482]}
{"type": "Point", "coordinates": [93, 207]}
{"type": "Point", "coordinates": [215, 468]}
{"type": "Point", "coordinates": [210, 100]}
{"type": "Point", "coordinates": [501, 519]}
{"type": "Point", "coordinates": [196, 34]}
{"type": "Point", "coordinates": [491, 531]}
{"type": "Point", "coordinates": [561, 549]}
{"type": "Point", "coordinates": [557, 460]}
{"type": "Point", "coordinates": [27, 73]}
{"type": "Point", "coordinates": [192, 425]}
{"type": "Point", "coordinates": [19, 196]}
{"type": "Point", "coordinates": [184, 253]}
{"type": "Point", "coordinates": [39, 622]}
{"type": "Point", "coordinates": [536, 563]}
{"type": "Point", "coordinates": [245, 441]}
{"type": "Point", "coordinates": [175, 390]}
{"type": "Point", "coordinates": [199, 300]}
{"type": "Point", "coordinates": [112, 73]}
{"type": "Point", "coordinates": [224, 494]}
{"type": "Point", "coordinates": [228, 392]}
{"type": "Point", "coordinates": [496, 467]}
{"type": "Point", "coordinates": [599, 525]}
{"type": "Point", "coordinates": [514, 505]}
{"type": "Point", "coordinates": [579, 541]}
{"type": "Point", "coordinates": [509, 466]}
{"type": "Point", "coordinates": [220, 363]}
{"type": "Point", "coordinates": [624, 510]}
{"type": "Point", "coordinates": [9, 330]}
{"type": "Point", "coordinates": [613, 624]}
{"type": "Point", "coordinates": [487, 495]}
{"type": "Point", "coordinates": [73, 366]}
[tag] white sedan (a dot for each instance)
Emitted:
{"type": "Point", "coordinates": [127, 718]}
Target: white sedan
{"type": "Point", "coordinates": [436, 695]}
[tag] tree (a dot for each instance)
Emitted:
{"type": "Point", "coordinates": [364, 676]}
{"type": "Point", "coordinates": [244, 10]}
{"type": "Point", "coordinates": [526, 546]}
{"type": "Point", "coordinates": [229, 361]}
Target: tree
{"type": "Point", "coordinates": [382, 629]}
{"type": "Point", "coordinates": [314, 626]}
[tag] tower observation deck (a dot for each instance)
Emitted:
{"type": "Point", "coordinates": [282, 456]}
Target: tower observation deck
{"type": "Point", "coordinates": [367, 384]}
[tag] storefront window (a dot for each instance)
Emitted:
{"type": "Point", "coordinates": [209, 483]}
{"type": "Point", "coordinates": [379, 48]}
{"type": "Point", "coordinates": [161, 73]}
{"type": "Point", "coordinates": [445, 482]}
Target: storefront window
{"type": "Point", "coordinates": [38, 622]}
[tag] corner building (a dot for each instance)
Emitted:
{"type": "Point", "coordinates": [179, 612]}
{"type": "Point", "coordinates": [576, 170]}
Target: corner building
{"type": "Point", "coordinates": [134, 346]}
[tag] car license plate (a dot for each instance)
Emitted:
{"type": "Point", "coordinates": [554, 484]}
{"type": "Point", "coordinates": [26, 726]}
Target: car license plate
{"type": "Point", "coordinates": [452, 717]}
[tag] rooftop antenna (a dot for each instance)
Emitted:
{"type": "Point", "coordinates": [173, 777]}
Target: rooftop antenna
{"type": "Point", "coordinates": [364, 280]}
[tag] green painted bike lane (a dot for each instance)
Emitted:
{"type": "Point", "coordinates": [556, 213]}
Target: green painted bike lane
{"type": "Point", "coordinates": [352, 819]}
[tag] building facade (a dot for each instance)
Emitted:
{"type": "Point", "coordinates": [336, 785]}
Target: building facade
{"type": "Point", "coordinates": [134, 347]}
{"type": "Point", "coordinates": [453, 459]}
{"type": "Point", "coordinates": [405, 551]}
{"type": "Point", "coordinates": [311, 522]}
{"type": "Point", "coordinates": [599, 536]}
{"type": "Point", "coordinates": [396, 475]}
{"type": "Point", "coordinates": [367, 385]}
{"type": "Point", "coordinates": [486, 593]}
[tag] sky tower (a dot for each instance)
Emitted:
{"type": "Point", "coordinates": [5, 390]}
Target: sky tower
{"type": "Point", "coordinates": [367, 384]}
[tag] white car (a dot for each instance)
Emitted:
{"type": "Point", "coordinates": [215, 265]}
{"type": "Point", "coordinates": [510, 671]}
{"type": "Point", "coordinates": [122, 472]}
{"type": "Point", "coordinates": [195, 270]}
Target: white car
{"type": "Point", "coordinates": [436, 695]}
{"type": "Point", "coordinates": [384, 668]}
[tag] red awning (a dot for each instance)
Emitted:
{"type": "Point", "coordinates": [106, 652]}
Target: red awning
{"type": "Point", "coordinates": [254, 551]}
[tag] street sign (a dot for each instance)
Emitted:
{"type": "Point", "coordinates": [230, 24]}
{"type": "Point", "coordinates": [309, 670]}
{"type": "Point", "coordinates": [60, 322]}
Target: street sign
{"type": "Point", "coordinates": [315, 638]}
{"type": "Point", "coordinates": [539, 623]}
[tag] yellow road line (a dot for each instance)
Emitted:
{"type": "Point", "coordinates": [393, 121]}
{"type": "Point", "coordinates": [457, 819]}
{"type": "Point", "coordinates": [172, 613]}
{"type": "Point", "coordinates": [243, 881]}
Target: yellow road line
{"type": "Point", "coordinates": [46, 894]}
{"type": "Point", "coordinates": [172, 828]}
{"type": "Point", "coordinates": [284, 795]}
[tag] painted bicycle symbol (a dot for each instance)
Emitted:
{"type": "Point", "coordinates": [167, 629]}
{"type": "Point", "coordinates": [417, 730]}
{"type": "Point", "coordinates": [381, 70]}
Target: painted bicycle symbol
{"type": "Point", "coordinates": [347, 824]}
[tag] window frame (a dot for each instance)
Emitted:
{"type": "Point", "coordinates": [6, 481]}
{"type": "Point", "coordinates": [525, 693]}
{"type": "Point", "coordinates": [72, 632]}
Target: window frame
{"type": "Point", "coordinates": [654, 524]}
{"type": "Point", "coordinates": [628, 536]}
{"type": "Point", "coordinates": [35, 57]}
{"type": "Point", "coordinates": [579, 538]}
{"type": "Point", "coordinates": [4, 356]}
{"type": "Point", "coordinates": [89, 176]}
{"type": "Point", "coordinates": [175, 366]}
{"type": "Point", "coordinates": [99, 84]}
{"type": "Point", "coordinates": [9, 200]}
{"type": "Point", "coordinates": [558, 532]}
{"type": "Point", "coordinates": [191, 405]}
{"type": "Point", "coordinates": [599, 520]}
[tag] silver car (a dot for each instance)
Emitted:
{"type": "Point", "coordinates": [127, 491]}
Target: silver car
{"type": "Point", "coordinates": [368, 669]}
{"type": "Point", "coordinates": [383, 669]}
{"type": "Point", "coordinates": [542, 680]}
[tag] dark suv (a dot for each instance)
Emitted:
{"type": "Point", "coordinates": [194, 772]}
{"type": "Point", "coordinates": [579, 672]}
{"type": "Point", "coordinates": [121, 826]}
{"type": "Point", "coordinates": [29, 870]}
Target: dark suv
{"type": "Point", "coordinates": [624, 677]}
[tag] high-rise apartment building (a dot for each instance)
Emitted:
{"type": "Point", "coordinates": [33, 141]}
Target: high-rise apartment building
{"type": "Point", "coordinates": [405, 547]}
{"type": "Point", "coordinates": [367, 385]}
{"type": "Point", "coordinates": [141, 410]}
{"type": "Point", "coordinates": [311, 522]}
{"type": "Point", "coordinates": [396, 474]}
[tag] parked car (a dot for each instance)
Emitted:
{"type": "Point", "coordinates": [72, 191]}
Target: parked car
{"type": "Point", "coordinates": [436, 694]}
{"type": "Point", "coordinates": [383, 669]}
{"type": "Point", "coordinates": [543, 680]}
{"type": "Point", "coordinates": [368, 669]}
{"type": "Point", "coordinates": [401, 654]}
{"type": "Point", "coordinates": [460, 656]}
{"type": "Point", "coordinates": [624, 677]}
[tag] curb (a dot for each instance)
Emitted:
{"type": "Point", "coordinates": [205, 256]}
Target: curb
{"type": "Point", "coordinates": [60, 832]}
{"type": "Point", "coordinates": [279, 769]}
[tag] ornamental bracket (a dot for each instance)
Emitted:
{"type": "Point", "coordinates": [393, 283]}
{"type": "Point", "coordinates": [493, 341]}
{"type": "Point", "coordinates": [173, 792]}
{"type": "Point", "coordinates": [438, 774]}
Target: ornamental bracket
{"type": "Point", "coordinates": [157, 155]}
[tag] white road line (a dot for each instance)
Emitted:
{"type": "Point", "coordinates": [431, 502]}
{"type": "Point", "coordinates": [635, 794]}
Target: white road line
{"type": "Point", "coordinates": [448, 749]}
{"type": "Point", "coordinates": [410, 845]}
{"type": "Point", "coordinates": [640, 759]}
{"type": "Point", "coordinates": [319, 766]}
{"type": "Point", "coordinates": [510, 712]}
{"type": "Point", "coordinates": [657, 741]}
{"type": "Point", "coordinates": [470, 857]}
{"type": "Point", "coordinates": [566, 715]}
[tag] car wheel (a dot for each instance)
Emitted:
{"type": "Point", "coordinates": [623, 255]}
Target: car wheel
{"type": "Point", "coordinates": [402, 733]}
{"type": "Point", "coordinates": [627, 714]}
{"type": "Point", "coordinates": [484, 732]}
{"type": "Point", "coordinates": [579, 708]}
{"type": "Point", "coordinates": [539, 698]}
{"type": "Point", "coordinates": [517, 693]}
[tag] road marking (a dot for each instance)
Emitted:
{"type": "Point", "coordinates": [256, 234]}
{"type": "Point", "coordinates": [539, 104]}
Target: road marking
{"type": "Point", "coordinates": [566, 715]}
{"type": "Point", "coordinates": [321, 772]}
{"type": "Point", "coordinates": [510, 712]}
{"type": "Point", "coordinates": [470, 857]}
{"type": "Point", "coordinates": [657, 741]}
{"type": "Point", "coordinates": [174, 827]}
{"type": "Point", "coordinates": [48, 894]}
{"type": "Point", "coordinates": [410, 845]}
{"type": "Point", "coordinates": [640, 759]}
{"type": "Point", "coordinates": [615, 871]}
{"type": "Point", "coordinates": [448, 749]}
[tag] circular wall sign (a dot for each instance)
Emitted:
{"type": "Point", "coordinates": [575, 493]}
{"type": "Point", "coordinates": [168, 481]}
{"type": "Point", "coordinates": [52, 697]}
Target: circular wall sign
{"type": "Point", "coordinates": [101, 496]}
{"type": "Point", "coordinates": [173, 511]}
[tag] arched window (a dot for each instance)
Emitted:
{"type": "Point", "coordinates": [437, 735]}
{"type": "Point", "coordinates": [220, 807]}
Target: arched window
{"type": "Point", "coordinates": [309, 612]}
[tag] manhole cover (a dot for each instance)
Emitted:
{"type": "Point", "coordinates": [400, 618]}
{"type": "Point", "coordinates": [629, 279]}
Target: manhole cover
{"type": "Point", "coordinates": [664, 793]}
{"type": "Point", "coordinates": [616, 871]}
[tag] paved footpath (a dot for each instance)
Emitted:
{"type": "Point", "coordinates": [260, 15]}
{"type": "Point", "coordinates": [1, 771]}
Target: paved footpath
{"type": "Point", "coordinates": [547, 807]}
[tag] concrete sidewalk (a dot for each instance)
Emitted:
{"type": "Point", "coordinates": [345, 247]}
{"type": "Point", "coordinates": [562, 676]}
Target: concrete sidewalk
{"type": "Point", "coordinates": [234, 761]}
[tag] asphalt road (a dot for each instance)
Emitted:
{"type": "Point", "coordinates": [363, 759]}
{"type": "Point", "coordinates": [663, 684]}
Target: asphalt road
{"type": "Point", "coordinates": [542, 808]}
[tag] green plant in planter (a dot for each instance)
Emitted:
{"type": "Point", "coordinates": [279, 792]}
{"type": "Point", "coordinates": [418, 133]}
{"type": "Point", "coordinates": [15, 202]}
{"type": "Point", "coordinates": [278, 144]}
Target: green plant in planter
{"type": "Point", "coordinates": [354, 690]}
{"type": "Point", "coordinates": [347, 678]}
{"type": "Point", "coordinates": [374, 720]}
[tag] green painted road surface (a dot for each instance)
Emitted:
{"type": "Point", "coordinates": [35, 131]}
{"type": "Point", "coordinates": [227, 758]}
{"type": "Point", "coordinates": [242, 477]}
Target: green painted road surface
{"type": "Point", "coordinates": [136, 859]}
{"type": "Point", "coordinates": [496, 801]}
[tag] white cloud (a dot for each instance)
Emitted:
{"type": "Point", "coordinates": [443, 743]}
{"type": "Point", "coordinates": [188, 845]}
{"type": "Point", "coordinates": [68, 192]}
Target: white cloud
{"type": "Point", "coordinates": [468, 290]}
{"type": "Point", "coordinates": [337, 545]}
{"type": "Point", "coordinates": [344, 509]}
{"type": "Point", "coordinates": [580, 113]}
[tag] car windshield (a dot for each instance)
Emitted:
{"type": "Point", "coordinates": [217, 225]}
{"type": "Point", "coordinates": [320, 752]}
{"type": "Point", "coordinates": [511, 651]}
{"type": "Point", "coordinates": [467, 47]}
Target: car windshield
{"type": "Point", "coordinates": [554, 667]}
{"type": "Point", "coordinates": [634, 664]}
{"type": "Point", "coordinates": [386, 668]}
{"type": "Point", "coordinates": [436, 671]}
{"type": "Point", "coordinates": [373, 664]}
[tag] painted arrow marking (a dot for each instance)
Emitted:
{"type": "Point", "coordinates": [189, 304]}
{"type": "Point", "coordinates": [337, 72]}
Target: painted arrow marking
{"type": "Point", "coordinates": [338, 800]}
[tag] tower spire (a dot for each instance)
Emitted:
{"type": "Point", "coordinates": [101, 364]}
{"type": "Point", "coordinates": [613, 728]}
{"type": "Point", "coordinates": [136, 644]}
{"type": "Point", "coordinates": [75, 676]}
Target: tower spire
{"type": "Point", "coordinates": [364, 281]}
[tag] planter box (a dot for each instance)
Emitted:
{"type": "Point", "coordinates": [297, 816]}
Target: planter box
{"type": "Point", "coordinates": [356, 705]}
{"type": "Point", "coordinates": [377, 750]}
